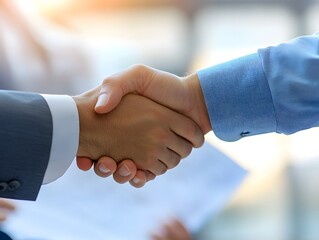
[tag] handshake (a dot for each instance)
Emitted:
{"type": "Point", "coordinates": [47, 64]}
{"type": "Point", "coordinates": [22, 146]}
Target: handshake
{"type": "Point", "coordinates": [139, 123]}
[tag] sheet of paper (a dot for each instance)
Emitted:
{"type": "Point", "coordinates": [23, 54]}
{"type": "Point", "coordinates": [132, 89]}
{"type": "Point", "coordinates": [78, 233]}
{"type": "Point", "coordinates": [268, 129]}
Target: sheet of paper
{"type": "Point", "coordinates": [81, 206]}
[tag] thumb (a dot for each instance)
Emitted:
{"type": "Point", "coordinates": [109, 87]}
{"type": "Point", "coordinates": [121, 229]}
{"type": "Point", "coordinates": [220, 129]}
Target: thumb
{"type": "Point", "coordinates": [109, 98]}
{"type": "Point", "coordinates": [134, 79]}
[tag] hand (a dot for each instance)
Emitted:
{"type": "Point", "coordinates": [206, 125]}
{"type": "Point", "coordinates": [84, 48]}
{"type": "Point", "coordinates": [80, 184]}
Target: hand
{"type": "Point", "coordinates": [174, 230]}
{"type": "Point", "coordinates": [123, 172]}
{"type": "Point", "coordinates": [5, 208]}
{"type": "Point", "coordinates": [183, 95]}
{"type": "Point", "coordinates": [155, 137]}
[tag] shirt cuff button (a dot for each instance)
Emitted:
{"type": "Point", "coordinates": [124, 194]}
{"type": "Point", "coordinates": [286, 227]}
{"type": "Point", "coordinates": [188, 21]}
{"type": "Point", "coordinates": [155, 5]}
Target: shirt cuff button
{"type": "Point", "coordinates": [245, 134]}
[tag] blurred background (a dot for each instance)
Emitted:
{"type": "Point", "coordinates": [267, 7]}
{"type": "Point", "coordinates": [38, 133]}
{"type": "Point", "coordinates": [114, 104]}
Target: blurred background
{"type": "Point", "coordinates": [68, 46]}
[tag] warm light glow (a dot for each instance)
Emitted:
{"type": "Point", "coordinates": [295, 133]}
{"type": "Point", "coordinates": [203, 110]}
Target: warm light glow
{"type": "Point", "coordinates": [43, 6]}
{"type": "Point", "coordinates": [27, 5]}
{"type": "Point", "coordinates": [47, 6]}
{"type": "Point", "coordinates": [53, 4]}
{"type": "Point", "coordinates": [71, 7]}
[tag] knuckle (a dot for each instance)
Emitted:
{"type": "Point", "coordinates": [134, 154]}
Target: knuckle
{"type": "Point", "coordinates": [195, 135]}
{"type": "Point", "coordinates": [202, 140]}
{"type": "Point", "coordinates": [138, 68]}
{"type": "Point", "coordinates": [162, 170]}
{"type": "Point", "coordinates": [175, 156]}
{"type": "Point", "coordinates": [187, 149]}
{"type": "Point", "coordinates": [149, 176]}
{"type": "Point", "coordinates": [159, 168]}
{"type": "Point", "coordinates": [141, 71]}
{"type": "Point", "coordinates": [199, 139]}
{"type": "Point", "coordinates": [108, 81]}
{"type": "Point", "coordinates": [191, 132]}
{"type": "Point", "coordinates": [175, 161]}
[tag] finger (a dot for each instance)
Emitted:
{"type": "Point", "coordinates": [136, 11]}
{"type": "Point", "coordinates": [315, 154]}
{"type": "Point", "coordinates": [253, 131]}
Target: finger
{"type": "Point", "coordinates": [116, 86]}
{"type": "Point", "coordinates": [180, 145]}
{"type": "Point", "coordinates": [84, 163]}
{"type": "Point", "coordinates": [159, 167]}
{"type": "Point", "coordinates": [187, 129]}
{"type": "Point", "coordinates": [4, 204]}
{"type": "Point", "coordinates": [105, 167]}
{"type": "Point", "coordinates": [125, 172]}
{"type": "Point", "coordinates": [149, 176]}
{"type": "Point", "coordinates": [139, 179]}
{"type": "Point", "coordinates": [170, 158]}
{"type": "Point", "coordinates": [109, 97]}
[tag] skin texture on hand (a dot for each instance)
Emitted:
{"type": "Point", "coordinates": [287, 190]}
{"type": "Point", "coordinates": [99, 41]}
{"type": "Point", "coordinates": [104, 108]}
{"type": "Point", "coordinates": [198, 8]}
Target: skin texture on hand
{"type": "Point", "coordinates": [154, 137]}
{"type": "Point", "coordinates": [183, 95]}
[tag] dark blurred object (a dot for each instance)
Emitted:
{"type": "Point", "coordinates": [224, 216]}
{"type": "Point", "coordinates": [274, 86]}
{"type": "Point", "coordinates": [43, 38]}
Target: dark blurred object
{"type": "Point", "coordinates": [4, 236]}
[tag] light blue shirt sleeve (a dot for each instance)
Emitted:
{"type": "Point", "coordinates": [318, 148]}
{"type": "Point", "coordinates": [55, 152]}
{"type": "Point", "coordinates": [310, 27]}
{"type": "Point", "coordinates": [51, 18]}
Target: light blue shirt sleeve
{"type": "Point", "coordinates": [274, 90]}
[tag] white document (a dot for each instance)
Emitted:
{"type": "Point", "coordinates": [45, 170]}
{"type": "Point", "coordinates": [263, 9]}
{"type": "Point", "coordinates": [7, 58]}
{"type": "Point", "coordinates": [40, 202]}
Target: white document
{"type": "Point", "coordinates": [82, 206]}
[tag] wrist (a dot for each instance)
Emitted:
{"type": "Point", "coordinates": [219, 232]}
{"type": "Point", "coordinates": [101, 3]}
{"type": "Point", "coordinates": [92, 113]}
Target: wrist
{"type": "Point", "coordinates": [87, 144]}
{"type": "Point", "coordinates": [193, 84]}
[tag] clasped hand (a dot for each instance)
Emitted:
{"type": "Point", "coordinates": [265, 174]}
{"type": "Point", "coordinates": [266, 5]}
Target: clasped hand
{"type": "Point", "coordinates": [139, 136]}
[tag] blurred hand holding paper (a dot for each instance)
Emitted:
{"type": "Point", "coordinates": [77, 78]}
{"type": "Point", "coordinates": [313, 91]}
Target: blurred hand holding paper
{"type": "Point", "coordinates": [201, 186]}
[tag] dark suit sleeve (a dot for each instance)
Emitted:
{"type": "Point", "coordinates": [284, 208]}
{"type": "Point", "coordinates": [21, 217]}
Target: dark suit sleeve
{"type": "Point", "coordinates": [25, 143]}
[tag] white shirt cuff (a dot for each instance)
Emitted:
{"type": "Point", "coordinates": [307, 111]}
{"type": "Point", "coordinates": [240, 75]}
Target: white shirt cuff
{"type": "Point", "coordinates": [65, 137]}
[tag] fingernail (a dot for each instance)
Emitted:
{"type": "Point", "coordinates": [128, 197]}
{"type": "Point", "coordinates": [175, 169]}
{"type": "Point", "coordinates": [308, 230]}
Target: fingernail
{"type": "Point", "coordinates": [124, 171]}
{"type": "Point", "coordinates": [102, 101]}
{"type": "Point", "coordinates": [136, 180]}
{"type": "Point", "coordinates": [104, 169]}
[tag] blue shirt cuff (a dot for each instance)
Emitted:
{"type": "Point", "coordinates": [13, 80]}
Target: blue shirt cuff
{"type": "Point", "coordinates": [238, 98]}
